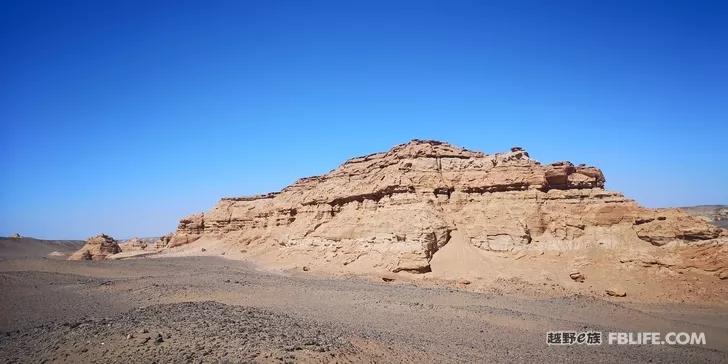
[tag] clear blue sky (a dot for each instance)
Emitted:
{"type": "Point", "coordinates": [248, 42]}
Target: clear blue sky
{"type": "Point", "coordinates": [123, 116]}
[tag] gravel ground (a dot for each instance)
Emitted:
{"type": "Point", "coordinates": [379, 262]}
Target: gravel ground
{"type": "Point", "coordinates": [180, 332]}
{"type": "Point", "coordinates": [216, 310]}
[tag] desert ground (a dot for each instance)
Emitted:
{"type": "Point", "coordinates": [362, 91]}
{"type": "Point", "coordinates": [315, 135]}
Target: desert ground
{"type": "Point", "coordinates": [210, 309]}
{"type": "Point", "coordinates": [426, 253]}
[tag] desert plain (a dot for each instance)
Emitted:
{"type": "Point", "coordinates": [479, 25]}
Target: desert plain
{"type": "Point", "coordinates": [426, 253]}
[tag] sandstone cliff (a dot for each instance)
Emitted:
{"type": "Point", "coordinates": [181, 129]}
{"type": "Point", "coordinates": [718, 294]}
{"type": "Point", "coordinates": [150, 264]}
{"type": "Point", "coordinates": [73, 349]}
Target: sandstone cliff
{"type": "Point", "coordinates": [401, 209]}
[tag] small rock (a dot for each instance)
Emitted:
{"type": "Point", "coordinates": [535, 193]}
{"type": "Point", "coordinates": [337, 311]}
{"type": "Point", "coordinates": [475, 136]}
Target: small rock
{"type": "Point", "coordinates": [616, 292]}
{"type": "Point", "coordinates": [159, 338]}
{"type": "Point", "coordinates": [305, 268]}
{"type": "Point", "coordinates": [129, 336]}
{"type": "Point", "coordinates": [387, 279]}
{"type": "Point", "coordinates": [723, 274]}
{"type": "Point", "coordinates": [143, 331]}
{"type": "Point", "coordinates": [577, 276]}
{"type": "Point", "coordinates": [309, 342]}
{"type": "Point", "coordinates": [464, 282]}
{"type": "Point", "coordinates": [203, 249]}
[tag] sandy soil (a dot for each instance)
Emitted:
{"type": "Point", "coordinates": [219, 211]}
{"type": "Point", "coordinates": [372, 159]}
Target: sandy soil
{"type": "Point", "coordinates": [535, 274]}
{"type": "Point", "coordinates": [205, 309]}
{"type": "Point", "coordinates": [16, 248]}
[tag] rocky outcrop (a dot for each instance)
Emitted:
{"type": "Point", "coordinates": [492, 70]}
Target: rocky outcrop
{"type": "Point", "coordinates": [133, 244]}
{"type": "Point", "coordinates": [189, 229]}
{"type": "Point", "coordinates": [394, 210]}
{"type": "Point", "coordinates": [97, 248]}
{"type": "Point", "coordinates": [163, 241]}
{"type": "Point", "coordinates": [655, 228]}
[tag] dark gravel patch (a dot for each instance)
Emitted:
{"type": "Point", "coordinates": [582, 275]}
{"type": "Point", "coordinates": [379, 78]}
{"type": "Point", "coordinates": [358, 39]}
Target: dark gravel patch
{"type": "Point", "coordinates": [180, 332]}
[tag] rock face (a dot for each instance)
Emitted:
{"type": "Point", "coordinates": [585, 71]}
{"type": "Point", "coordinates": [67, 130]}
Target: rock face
{"type": "Point", "coordinates": [395, 210]}
{"type": "Point", "coordinates": [97, 248]}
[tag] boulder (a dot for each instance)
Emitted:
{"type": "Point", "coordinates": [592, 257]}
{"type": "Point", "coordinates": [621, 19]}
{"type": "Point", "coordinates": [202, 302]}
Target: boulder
{"type": "Point", "coordinates": [576, 276]}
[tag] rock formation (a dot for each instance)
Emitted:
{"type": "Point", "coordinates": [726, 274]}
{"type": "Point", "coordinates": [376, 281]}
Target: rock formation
{"type": "Point", "coordinates": [395, 210]}
{"type": "Point", "coordinates": [97, 248]}
{"type": "Point", "coordinates": [162, 241]}
{"type": "Point", "coordinates": [133, 244]}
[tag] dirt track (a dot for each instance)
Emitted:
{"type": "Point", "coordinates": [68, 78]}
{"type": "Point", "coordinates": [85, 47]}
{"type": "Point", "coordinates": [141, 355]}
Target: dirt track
{"type": "Point", "coordinates": [212, 310]}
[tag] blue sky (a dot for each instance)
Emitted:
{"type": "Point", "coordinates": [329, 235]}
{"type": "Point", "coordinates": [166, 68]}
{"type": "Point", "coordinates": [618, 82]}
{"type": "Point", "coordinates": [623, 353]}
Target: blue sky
{"type": "Point", "coordinates": [123, 116]}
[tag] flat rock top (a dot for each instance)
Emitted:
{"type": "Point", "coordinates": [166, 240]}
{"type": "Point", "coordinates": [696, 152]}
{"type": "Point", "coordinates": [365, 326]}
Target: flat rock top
{"type": "Point", "coordinates": [421, 149]}
{"type": "Point", "coordinates": [428, 165]}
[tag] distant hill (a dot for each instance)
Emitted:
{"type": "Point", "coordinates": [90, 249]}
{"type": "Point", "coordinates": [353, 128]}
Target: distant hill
{"type": "Point", "coordinates": [715, 214]}
{"type": "Point", "coordinates": [15, 248]}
